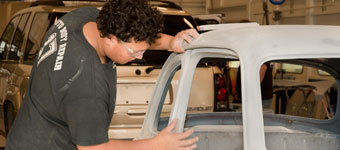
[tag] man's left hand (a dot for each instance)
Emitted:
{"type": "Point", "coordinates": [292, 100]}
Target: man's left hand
{"type": "Point", "coordinates": [184, 36]}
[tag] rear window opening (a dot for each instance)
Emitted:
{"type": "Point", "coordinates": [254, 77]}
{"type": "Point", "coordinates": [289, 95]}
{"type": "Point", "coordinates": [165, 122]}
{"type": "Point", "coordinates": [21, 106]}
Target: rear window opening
{"type": "Point", "coordinates": [307, 97]}
{"type": "Point", "coordinates": [301, 92]}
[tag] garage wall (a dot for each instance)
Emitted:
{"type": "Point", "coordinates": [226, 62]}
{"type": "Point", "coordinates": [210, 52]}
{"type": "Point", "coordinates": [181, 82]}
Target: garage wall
{"type": "Point", "coordinates": [194, 7]}
{"type": "Point", "coordinates": [321, 12]}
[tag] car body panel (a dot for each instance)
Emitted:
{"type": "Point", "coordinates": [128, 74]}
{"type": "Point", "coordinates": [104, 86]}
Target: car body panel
{"type": "Point", "coordinates": [252, 46]}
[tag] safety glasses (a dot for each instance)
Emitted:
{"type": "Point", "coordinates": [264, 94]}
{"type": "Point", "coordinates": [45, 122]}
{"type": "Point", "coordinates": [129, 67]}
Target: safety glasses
{"type": "Point", "coordinates": [133, 53]}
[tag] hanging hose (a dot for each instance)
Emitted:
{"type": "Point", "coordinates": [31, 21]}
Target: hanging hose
{"type": "Point", "coordinates": [266, 12]}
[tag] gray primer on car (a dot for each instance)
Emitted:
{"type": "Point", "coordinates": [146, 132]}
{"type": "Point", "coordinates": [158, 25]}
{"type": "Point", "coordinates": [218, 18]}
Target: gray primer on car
{"type": "Point", "coordinates": [252, 129]}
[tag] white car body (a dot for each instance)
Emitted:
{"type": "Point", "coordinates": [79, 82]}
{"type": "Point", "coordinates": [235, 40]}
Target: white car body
{"type": "Point", "coordinates": [253, 45]}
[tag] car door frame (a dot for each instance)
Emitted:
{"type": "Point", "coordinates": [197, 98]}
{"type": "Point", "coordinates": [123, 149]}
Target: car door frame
{"type": "Point", "coordinates": [253, 129]}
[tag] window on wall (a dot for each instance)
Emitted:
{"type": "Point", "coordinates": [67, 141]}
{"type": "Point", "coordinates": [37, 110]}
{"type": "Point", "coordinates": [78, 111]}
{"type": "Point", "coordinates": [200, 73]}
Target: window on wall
{"type": "Point", "coordinates": [15, 48]}
{"type": "Point", "coordinates": [7, 36]}
{"type": "Point", "coordinates": [40, 25]}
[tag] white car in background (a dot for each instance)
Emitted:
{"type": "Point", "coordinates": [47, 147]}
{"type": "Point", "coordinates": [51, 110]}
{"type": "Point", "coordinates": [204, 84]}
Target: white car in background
{"type": "Point", "coordinates": [208, 19]}
{"type": "Point", "coordinates": [304, 121]}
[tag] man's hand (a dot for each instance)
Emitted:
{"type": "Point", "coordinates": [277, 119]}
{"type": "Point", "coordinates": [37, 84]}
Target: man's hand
{"type": "Point", "coordinates": [166, 140]}
{"type": "Point", "coordinates": [263, 70]}
{"type": "Point", "coordinates": [186, 35]}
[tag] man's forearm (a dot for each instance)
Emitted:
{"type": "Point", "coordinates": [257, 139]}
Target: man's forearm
{"type": "Point", "coordinates": [162, 43]}
{"type": "Point", "coordinates": [145, 144]}
{"type": "Point", "coordinates": [173, 43]}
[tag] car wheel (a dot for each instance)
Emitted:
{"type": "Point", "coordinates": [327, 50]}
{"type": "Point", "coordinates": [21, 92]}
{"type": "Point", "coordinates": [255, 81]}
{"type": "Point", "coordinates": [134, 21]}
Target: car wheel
{"type": "Point", "coordinates": [9, 115]}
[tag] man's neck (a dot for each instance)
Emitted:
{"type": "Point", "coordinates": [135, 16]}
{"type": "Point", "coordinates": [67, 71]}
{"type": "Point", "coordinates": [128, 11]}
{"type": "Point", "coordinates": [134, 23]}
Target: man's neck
{"type": "Point", "coordinates": [91, 34]}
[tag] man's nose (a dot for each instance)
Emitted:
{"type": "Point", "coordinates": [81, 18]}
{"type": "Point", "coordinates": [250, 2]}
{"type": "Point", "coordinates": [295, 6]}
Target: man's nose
{"type": "Point", "coordinates": [139, 57]}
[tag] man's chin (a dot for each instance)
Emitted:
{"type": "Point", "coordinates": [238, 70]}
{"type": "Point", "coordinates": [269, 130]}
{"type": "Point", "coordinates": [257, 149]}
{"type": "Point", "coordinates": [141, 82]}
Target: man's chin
{"type": "Point", "coordinates": [122, 62]}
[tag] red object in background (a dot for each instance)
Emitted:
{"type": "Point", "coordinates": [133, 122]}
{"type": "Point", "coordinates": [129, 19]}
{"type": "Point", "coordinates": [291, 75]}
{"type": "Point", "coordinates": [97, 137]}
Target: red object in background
{"type": "Point", "coordinates": [222, 94]}
{"type": "Point", "coordinates": [220, 81]}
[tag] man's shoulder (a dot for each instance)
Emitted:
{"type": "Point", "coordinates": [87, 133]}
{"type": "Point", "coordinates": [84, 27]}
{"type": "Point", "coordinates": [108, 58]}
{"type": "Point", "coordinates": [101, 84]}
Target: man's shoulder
{"type": "Point", "coordinates": [87, 12]}
{"type": "Point", "coordinates": [88, 9]}
{"type": "Point", "coordinates": [79, 16]}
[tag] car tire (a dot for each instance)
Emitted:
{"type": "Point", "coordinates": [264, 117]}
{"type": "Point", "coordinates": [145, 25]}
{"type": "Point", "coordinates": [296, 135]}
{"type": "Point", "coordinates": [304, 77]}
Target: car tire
{"type": "Point", "coordinates": [9, 115]}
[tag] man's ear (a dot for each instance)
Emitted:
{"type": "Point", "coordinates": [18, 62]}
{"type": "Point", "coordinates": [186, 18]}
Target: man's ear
{"type": "Point", "coordinates": [113, 39]}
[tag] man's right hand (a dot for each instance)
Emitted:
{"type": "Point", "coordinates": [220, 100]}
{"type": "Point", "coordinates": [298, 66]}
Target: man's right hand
{"type": "Point", "coordinates": [166, 140]}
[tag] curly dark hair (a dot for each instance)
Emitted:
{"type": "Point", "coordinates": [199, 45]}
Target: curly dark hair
{"type": "Point", "coordinates": [127, 19]}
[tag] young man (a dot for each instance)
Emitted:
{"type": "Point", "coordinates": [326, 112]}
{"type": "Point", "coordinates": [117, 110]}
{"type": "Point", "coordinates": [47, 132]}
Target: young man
{"type": "Point", "coordinates": [72, 89]}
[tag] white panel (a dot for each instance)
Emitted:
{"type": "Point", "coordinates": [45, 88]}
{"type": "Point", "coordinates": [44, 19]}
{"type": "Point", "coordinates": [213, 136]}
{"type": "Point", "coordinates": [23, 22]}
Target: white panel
{"type": "Point", "coordinates": [292, 20]}
{"type": "Point", "coordinates": [135, 93]}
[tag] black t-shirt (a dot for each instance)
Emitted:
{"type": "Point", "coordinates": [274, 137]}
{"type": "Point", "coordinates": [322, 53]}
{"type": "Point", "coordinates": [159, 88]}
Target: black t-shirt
{"type": "Point", "coordinates": [71, 95]}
